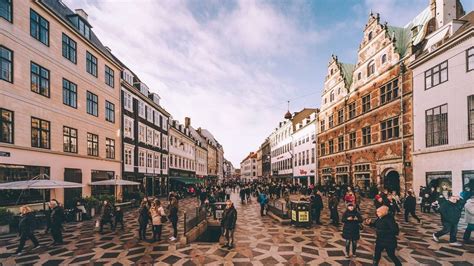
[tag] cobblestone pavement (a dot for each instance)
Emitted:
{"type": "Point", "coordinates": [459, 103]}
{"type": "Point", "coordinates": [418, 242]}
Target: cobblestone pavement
{"type": "Point", "coordinates": [260, 241]}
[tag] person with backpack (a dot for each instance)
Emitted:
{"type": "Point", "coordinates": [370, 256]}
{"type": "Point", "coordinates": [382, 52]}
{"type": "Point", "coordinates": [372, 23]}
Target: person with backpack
{"type": "Point", "coordinates": [25, 229]}
{"type": "Point", "coordinates": [351, 230]}
{"type": "Point", "coordinates": [386, 231]}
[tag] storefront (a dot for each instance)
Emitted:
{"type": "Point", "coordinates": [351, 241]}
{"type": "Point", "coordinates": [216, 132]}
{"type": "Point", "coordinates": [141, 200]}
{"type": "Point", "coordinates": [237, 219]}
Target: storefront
{"type": "Point", "coordinates": [327, 177]}
{"type": "Point", "coordinates": [468, 179]}
{"type": "Point", "coordinates": [441, 180]}
{"type": "Point", "coordinates": [72, 195]}
{"type": "Point", "coordinates": [97, 175]}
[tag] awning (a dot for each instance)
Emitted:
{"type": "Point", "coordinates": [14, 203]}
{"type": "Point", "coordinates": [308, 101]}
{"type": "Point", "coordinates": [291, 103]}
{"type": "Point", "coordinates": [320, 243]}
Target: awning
{"type": "Point", "coordinates": [115, 182]}
{"type": "Point", "coordinates": [39, 184]}
{"type": "Point", "coordinates": [187, 180]}
{"type": "Point", "coordinates": [436, 38]}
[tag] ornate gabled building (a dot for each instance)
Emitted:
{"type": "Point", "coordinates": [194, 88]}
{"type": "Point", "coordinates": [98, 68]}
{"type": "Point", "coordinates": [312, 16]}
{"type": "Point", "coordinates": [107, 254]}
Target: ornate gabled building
{"type": "Point", "coordinates": [366, 129]}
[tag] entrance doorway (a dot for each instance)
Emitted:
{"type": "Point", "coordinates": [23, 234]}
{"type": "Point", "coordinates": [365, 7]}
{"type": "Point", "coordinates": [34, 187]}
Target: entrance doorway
{"type": "Point", "coordinates": [391, 181]}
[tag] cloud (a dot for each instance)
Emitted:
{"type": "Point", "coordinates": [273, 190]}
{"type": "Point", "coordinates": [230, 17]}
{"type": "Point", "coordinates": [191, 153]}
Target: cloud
{"type": "Point", "coordinates": [391, 10]}
{"type": "Point", "coordinates": [214, 65]}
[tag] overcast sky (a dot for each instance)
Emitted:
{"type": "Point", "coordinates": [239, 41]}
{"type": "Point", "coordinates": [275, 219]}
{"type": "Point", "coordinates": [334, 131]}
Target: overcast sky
{"type": "Point", "coordinates": [231, 65]}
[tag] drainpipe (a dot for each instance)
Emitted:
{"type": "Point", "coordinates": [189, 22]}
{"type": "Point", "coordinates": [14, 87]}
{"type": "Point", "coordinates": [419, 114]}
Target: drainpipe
{"type": "Point", "coordinates": [402, 112]}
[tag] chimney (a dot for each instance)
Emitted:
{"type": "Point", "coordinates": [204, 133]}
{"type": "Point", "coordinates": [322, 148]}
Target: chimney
{"type": "Point", "coordinates": [187, 121]}
{"type": "Point", "coordinates": [82, 13]}
{"type": "Point", "coordinates": [447, 10]}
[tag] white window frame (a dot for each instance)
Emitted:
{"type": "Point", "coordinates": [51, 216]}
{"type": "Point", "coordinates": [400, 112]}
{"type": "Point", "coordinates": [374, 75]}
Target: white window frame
{"type": "Point", "coordinates": [127, 101]}
{"type": "Point", "coordinates": [141, 132]}
{"type": "Point", "coordinates": [141, 109]}
{"type": "Point", "coordinates": [128, 127]}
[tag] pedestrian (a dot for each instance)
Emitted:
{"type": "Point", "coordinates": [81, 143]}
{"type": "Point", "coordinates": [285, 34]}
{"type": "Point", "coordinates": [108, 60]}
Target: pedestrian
{"type": "Point", "coordinates": [378, 201]}
{"type": "Point", "coordinates": [228, 223]}
{"type": "Point", "coordinates": [143, 219]}
{"type": "Point", "coordinates": [386, 231]}
{"type": "Point", "coordinates": [242, 195]}
{"type": "Point", "coordinates": [57, 219]}
{"type": "Point", "coordinates": [228, 190]}
{"type": "Point", "coordinates": [410, 206]}
{"type": "Point", "coordinates": [450, 211]}
{"type": "Point", "coordinates": [334, 214]}
{"type": "Point", "coordinates": [25, 229]}
{"type": "Point", "coordinates": [173, 216]}
{"type": "Point", "coordinates": [156, 212]}
{"type": "Point", "coordinates": [317, 206]}
{"type": "Point", "coordinates": [351, 230]}
{"type": "Point", "coordinates": [47, 214]}
{"type": "Point", "coordinates": [426, 203]}
{"type": "Point", "coordinates": [119, 218]}
{"type": "Point", "coordinates": [469, 215]}
{"type": "Point", "coordinates": [262, 200]}
{"type": "Point", "coordinates": [106, 217]}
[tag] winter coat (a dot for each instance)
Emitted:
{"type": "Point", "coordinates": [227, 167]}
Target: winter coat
{"type": "Point", "coordinates": [469, 208]}
{"type": "Point", "coordinates": [107, 213]}
{"type": "Point", "coordinates": [317, 202]}
{"type": "Point", "coordinates": [450, 212]}
{"type": "Point", "coordinates": [143, 215]}
{"type": "Point", "coordinates": [57, 217]}
{"type": "Point", "coordinates": [351, 230]}
{"type": "Point", "coordinates": [25, 227]}
{"type": "Point", "coordinates": [386, 230]}
{"type": "Point", "coordinates": [173, 213]}
{"type": "Point", "coordinates": [229, 218]}
{"type": "Point", "coordinates": [156, 214]}
{"type": "Point", "coordinates": [262, 199]}
{"type": "Point", "coordinates": [410, 203]}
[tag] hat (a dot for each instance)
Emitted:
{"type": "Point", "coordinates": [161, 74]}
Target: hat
{"type": "Point", "coordinates": [377, 196]}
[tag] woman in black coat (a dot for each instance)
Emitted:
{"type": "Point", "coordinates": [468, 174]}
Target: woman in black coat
{"type": "Point", "coordinates": [144, 218]}
{"type": "Point", "coordinates": [351, 230]}
{"type": "Point", "coordinates": [173, 216]}
{"type": "Point", "coordinates": [25, 228]}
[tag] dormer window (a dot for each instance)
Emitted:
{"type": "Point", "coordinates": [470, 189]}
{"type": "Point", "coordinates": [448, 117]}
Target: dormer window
{"type": "Point", "coordinates": [81, 25]}
{"type": "Point", "coordinates": [370, 36]}
{"type": "Point", "coordinates": [370, 68]}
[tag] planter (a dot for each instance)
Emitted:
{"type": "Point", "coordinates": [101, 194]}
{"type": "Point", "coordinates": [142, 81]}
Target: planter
{"type": "Point", "coordinates": [4, 229]}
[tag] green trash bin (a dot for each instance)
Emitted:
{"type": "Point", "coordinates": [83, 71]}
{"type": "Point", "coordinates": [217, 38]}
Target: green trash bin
{"type": "Point", "coordinates": [300, 213]}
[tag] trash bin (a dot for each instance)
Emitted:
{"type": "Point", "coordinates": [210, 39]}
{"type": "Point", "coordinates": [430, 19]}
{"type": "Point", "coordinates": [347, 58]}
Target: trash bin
{"type": "Point", "coordinates": [218, 209]}
{"type": "Point", "coordinates": [300, 213]}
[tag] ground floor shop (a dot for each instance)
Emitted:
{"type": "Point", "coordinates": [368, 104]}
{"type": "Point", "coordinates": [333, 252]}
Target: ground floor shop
{"type": "Point", "coordinates": [151, 185]}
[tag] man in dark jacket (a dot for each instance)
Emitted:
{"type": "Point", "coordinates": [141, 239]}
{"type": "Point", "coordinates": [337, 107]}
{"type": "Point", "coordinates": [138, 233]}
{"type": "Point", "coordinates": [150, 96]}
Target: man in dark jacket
{"type": "Point", "coordinates": [317, 206]}
{"type": "Point", "coordinates": [144, 218]}
{"type": "Point", "coordinates": [334, 214]}
{"type": "Point", "coordinates": [25, 229]}
{"type": "Point", "coordinates": [57, 218]}
{"type": "Point", "coordinates": [387, 231]}
{"type": "Point", "coordinates": [106, 217]}
{"type": "Point", "coordinates": [228, 222]}
{"type": "Point", "coordinates": [450, 211]}
{"type": "Point", "coordinates": [410, 206]}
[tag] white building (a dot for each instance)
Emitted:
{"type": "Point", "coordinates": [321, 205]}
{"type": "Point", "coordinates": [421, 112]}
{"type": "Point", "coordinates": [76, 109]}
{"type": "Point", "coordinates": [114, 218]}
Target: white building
{"type": "Point", "coordinates": [248, 167]}
{"type": "Point", "coordinates": [443, 104]}
{"type": "Point", "coordinates": [201, 150]}
{"type": "Point", "coordinates": [304, 147]}
{"type": "Point", "coordinates": [281, 152]}
{"type": "Point", "coordinates": [182, 163]}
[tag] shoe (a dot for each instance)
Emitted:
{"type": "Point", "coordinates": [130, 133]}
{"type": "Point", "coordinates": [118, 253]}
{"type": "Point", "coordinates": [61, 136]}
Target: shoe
{"type": "Point", "coordinates": [230, 247]}
{"type": "Point", "coordinates": [348, 256]}
{"type": "Point", "coordinates": [36, 247]}
{"type": "Point", "coordinates": [455, 244]}
{"type": "Point", "coordinates": [173, 238]}
{"type": "Point", "coordinates": [170, 238]}
{"type": "Point", "coordinates": [225, 246]}
{"type": "Point", "coordinates": [354, 255]}
{"type": "Point", "coordinates": [18, 254]}
{"type": "Point", "coordinates": [435, 238]}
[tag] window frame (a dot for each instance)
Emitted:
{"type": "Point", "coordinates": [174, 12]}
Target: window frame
{"type": "Point", "coordinates": [109, 76]}
{"type": "Point", "coordinates": [432, 72]}
{"type": "Point", "coordinates": [391, 129]}
{"type": "Point", "coordinates": [351, 111]}
{"type": "Point", "coordinates": [467, 59]}
{"type": "Point", "coordinates": [371, 68]}
{"type": "Point", "coordinates": [470, 117]}
{"type": "Point", "coordinates": [10, 61]}
{"type": "Point", "coordinates": [67, 90]}
{"type": "Point", "coordinates": [40, 131]}
{"type": "Point", "coordinates": [340, 143]}
{"type": "Point", "coordinates": [366, 135]}
{"type": "Point", "coordinates": [38, 25]}
{"type": "Point", "coordinates": [109, 110]}
{"type": "Point", "coordinates": [389, 91]}
{"type": "Point", "coordinates": [366, 104]}
{"type": "Point", "coordinates": [70, 138]}
{"type": "Point", "coordinates": [91, 64]}
{"type": "Point", "coordinates": [109, 148]}
{"type": "Point", "coordinates": [67, 48]}
{"type": "Point", "coordinates": [9, 11]}
{"type": "Point", "coordinates": [429, 130]}
{"type": "Point", "coordinates": [340, 116]}
{"type": "Point", "coordinates": [96, 102]}
{"type": "Point", "coordinates": [90, 140]}
{"type": "Point", "coordinates": [12, 124]}
{"type": "Point", "coordinates": [352, 140]}
{"type": "Point", "coordinates": [40, 79]}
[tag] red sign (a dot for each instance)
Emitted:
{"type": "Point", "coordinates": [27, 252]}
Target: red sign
{"type": "Point", "coordinates": [303, 172]}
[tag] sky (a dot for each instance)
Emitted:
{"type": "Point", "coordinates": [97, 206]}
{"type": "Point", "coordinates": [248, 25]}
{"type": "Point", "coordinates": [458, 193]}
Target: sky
{"type": "Point", "coordinates": [232, 65]}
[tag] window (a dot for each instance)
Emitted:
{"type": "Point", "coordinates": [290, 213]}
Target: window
{"type": "Point", "coordinates": [91, 64]}
{"type": "Point", "coordinates": [69, 49]}
{"type": "Point", "coordinates": [156, 160]}
{"type": "Point", "coordinates": [39, 79]}
{"type": "Point", "coordinates": [6, 126]}
{"type": "Point", "coordinates": [149, 112]}
{"type": "Point", "coordinates": [141, 133]}
{"type": "Point", "coordinates": [437, 126]}
{"type": "Point", "coordinates": [141, 109]}
{"type": "Point", "coordinates": [157, 138]}
{"type": "Point", "coordinates": [109, 76]}
{"type": "Point", "coordinates": [340, 116]}
{"type": "Point", "coordinates": [40, 133]}
{"type": "Point", "coordinates": [110, 148]}
{"type": "Point", "coordinates": [128, 155]}
{"type": "Point", "coordinates": [39, 27]}
{"type": "Point", "coordinates": [366, 139]}
{"type": "Point", "coordinates": [331, 146]}
{"type": "Point", "coordinates": [331, 121]}
{"type": "Point", "coordinates": [323, 149]}
{"type": "Point", "coordinates": [323, 126]}
{"type": "Point", "coordinates": [6, 64]}
{"type": "Point", "coordinates": [149, 136]}
{"type": "Point", "coordinates": [470, 59]}
{"type": "Point", "coordinates": [370, 68]}
{"type": "Point", "coordinates": [141, 158]}
{"type": "Point", "coordinates": [69, 139]}
{"type": "Point", "coordinates": [6, 10]}
{"type": "Point", "coordinates": [312, 155]}
{"type": "Point", "coordinates": [164, 162]}
{"type": "Point", "coordinates": [128, 101]}
{"type": "Point", "coordinates": [92, 144]}
{"type": "Point", "coordinates": [331, 96]}
{"type": "Point", "coordinates": [470, 115]}
{"type": "Point", "coordinates": [389, 92]}
{"type": "Point", "coordinates": [436, 75]}
{"type": "Point", "coordinates": [370, 36]}
{"type": "Point", "coordinates": [352, 110]}
{"type": "Point", "coordinates": [389, 129]}
{"type": "Point", "coordinates": [69, 93]}
{"type": "Point", "coordinates": [352, 140]}
{"type": "Point", "coordinates": [81, 25]}
{"type": "Point", "coordinates": [384, 58]}
{"type": "Point", "coordinates": [109, 112]}
{"type": "Point", "coordinates": [149, 160]}
{"type": "Point", "coordinates": [340, 143]}
{"type": "Point", "coordinates": [366, 103]}
{"type": "Point", "coordinates": [359, 76]}
{"type": "Point", "coordinates": [128, 127]}
{"type": "Point", "coordinates": [92, 104]}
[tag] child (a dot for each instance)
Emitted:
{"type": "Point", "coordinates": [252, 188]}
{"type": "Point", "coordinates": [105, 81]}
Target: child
{"type": "Point", "coordinates": [351, 230]}
{"type": "Point", "coordinates": [119, 217]}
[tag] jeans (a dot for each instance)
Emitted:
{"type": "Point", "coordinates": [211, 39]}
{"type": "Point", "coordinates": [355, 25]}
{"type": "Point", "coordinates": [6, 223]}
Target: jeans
{"type": "Point", "coordinates": [317, 215]}
{"type": "Point", "coordinates": [450, 228]}
{"type": "Point", "coordinates": [119, 222]}
{"type": "Point", "coordinates": [104, 222]}
{"type": "Point", "coordinates": [262, 209]}
{"type": "Point", "coordinates": [348, 246]}
{"type": "Point", "coordinates": [174, 223]}
{"type": "Point", "coordinates": [412, 212]}
{"type": "Point", "coordinates": [157, 232]}
{"type": "Point", "coordinates": [57, 234]}
{"type": "Point", "coordinates": [229, 236]}
{"type": "Point", "coordinates": [467, 233]}
{"type": "Point", "coordinates": [390, 252]}
{"type": "Point", "coordinates": [23, 239]}
{"type": "Point", "coordinates": [142, 231]}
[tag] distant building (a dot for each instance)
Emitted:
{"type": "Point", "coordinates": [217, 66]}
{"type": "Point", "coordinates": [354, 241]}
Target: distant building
{"type": "Point", "coordinates": [248, 167]}
{"type": "Point", "coordinates": [182, 165]}
{"type": "Point", "coordinates": [304, 150]}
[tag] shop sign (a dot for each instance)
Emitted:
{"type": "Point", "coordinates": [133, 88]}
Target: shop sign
{"type": "Point", "coordinates": [4, 154]}
{"type": "Point", "coordinates": [293, 215]}
{"type": "Point", "coordinates": [303, 216]}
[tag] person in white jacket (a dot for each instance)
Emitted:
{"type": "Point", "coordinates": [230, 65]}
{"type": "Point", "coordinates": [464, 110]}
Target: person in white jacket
{"type": "Point", "coordinates": [469, 209]}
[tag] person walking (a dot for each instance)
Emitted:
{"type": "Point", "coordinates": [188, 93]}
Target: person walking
{"type": "Point", "coordinates": [351, 230]}
{"type": "Point", "coordinates": [450, 211]}
{"type": "Point", "coordinates": [410, 206]}
{"type": "Point", "coordinates": [57, 219]}
{"type": "Point", "coordinates": [228, 222]}
{"type": "Point", "coordinates": [106, 217]}
{"type": "Point", "coordinates": [386, 231]}
{"type": "Point", "coordinates": [119, 218]}
{"type": "Point", "coordinates": [262, 200]}
{"type": "Point", "coordinates": [334, 214]}
{"type": "Point", "coordinates": [469, 215]}
{"type": "Point", "coordinates": [25, 230]}
{"type": "Point", "coordinates": [317, 206]}
{"type": "Point", "coordinates": [173, 216]}
{"type": "Point", "coordinates": [157, 212]}
{"type": "Point", "coordinates": [143, 219]}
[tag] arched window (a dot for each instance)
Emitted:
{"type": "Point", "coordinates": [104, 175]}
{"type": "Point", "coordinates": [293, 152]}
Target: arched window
{"type": "Point", "coordinates": [370, 36]}
{"type": "Point", "coordinates": [332, 71]}
{"type": "Point", "coordinates": [384, 58]}
{"type": "Point", "coordinates": [370, 68]}
{"type": "Point", "coordinates": [331, 96]}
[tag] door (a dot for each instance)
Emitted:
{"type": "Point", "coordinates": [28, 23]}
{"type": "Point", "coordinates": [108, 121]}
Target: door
{"type": "Point", "coordinates": [392, 181]}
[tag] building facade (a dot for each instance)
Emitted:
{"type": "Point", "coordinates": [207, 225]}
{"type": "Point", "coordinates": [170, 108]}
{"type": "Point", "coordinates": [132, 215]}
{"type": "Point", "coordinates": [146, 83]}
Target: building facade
{"type": "Point", "coordinates": [281, 152]}
{"type": "Point", "coordinates": [145, 137]}
{"type": "Point", "coordinates": [59, 101]}
{"type": "Point", "coordinates": [260, 163]}
{"type": "Point", "coordinates": [443, 103]}
{"type": "Point", "coordinates": [201, 150]}
{"type": "Point", "coordinates": [182, 165]}
{"type": "Point", "coordinates": [248, 168]}
{"type": "Point", "coordinates": [266, 160]}
{"type": "Point", "coordinates": [366, 127]}
{"type": "Point", "coordinates": [304, 150]}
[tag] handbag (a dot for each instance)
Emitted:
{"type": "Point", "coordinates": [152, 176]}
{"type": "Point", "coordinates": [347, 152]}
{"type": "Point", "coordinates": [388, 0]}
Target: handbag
{"type": "Point", "coordinates": [163, 219]}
